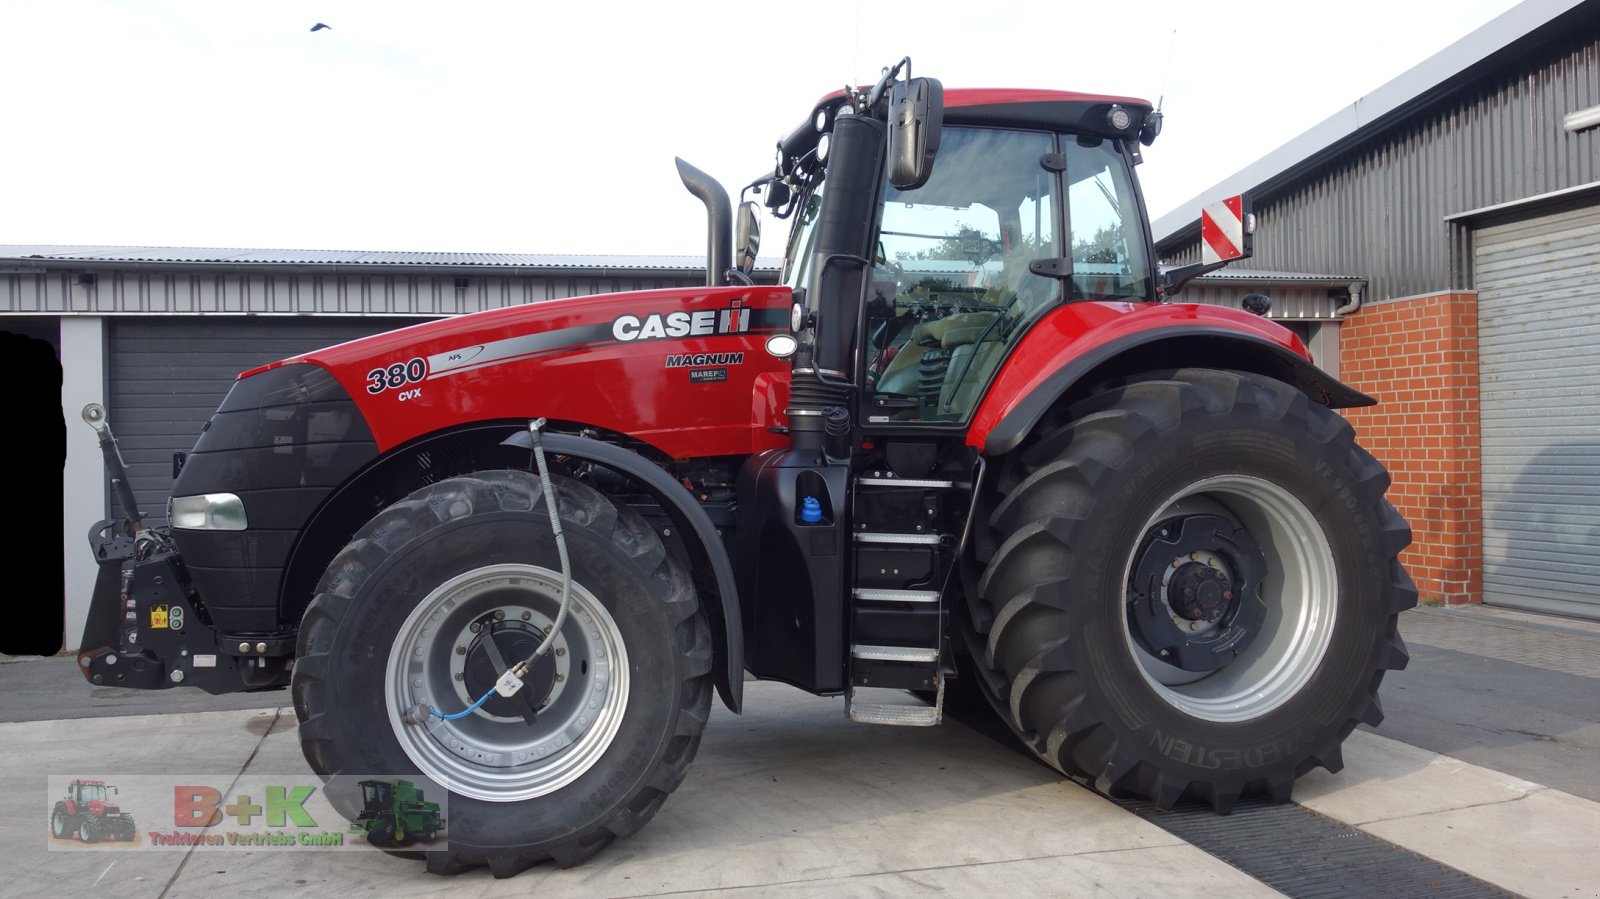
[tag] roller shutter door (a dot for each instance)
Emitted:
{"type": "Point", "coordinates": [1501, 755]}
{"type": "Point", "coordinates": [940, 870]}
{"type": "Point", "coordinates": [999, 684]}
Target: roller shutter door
{"type": "Point", "coordinates": [1539, 367]}
{"type": "Point", "coordinates": [169, 374]}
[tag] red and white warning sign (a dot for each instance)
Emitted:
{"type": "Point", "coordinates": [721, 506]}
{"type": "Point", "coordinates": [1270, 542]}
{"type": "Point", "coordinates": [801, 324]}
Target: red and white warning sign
{"type": "Point", "coordinates": [1222, 236]}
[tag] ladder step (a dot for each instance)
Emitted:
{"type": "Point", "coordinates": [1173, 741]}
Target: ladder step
{"type": "Point", "coordinates": [884, 594]}
{"type": "Point", "coordinates": [902, 482]}
{"type": "Point", "coordinates": [895, 653]}
{"type": "Point", "coordinates": [870, 705]}
{"type": "Point", "coordinates": [911, 539]}
{"type": "Point", "coordinates": [903, 715]}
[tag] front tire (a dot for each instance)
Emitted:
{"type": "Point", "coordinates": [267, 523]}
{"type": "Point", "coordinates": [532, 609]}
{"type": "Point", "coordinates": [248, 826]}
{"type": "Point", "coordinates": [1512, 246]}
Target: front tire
{"type": "Point", "coordinates": [61, 825]}
{"type": "Point", "coordinates": [1193, 591]}
{"type": "Point", "coordinates": [414, 610]}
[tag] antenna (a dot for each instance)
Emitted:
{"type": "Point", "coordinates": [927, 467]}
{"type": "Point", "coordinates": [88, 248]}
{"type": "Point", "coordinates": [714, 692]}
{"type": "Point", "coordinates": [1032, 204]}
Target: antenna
{"type": "Point", "coordinates": [1172, 44]}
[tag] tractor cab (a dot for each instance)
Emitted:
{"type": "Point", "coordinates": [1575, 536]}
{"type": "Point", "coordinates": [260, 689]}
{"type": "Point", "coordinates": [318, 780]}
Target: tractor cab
{"type": "Point", "coordinates": [1012, 223]}
{"type": "Point", "coordinates": [85, 792]}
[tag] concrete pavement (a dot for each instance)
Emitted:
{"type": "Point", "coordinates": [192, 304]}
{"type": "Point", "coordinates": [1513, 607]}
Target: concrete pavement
{"type": "Point", "coordinates": [792, 799]}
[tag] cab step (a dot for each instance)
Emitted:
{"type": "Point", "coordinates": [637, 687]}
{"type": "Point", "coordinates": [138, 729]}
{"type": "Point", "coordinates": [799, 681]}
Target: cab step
{"type": "Point", "coordinates": [874, 705]}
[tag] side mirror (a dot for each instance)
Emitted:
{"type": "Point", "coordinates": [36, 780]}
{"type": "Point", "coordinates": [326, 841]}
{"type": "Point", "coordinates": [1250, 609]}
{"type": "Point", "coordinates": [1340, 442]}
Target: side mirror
{"type": "Point", "coordinates": [916, 116]}
{"type": "Point", "coordinates": [746, 237]}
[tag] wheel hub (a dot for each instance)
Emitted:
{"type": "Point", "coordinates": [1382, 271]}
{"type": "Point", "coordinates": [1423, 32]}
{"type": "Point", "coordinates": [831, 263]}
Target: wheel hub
{"type": "Point", "coordinates": [513, 641]}
{"type": "Point", "coordinates": [1193, 600]}
{"type": "Point", "coordinates": [1199, 592]}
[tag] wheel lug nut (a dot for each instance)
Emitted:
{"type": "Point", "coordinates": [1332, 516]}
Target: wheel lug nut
{"type": "Point", "coordinates": [561, 651]}
{"type": "Point", "coordinates": [499, 614]}
{"type": "Point", "coordinates": [460, 676]}
{"type": "Point", "coordinates": [526, 615]}
{"type": "Point", "coordinates": [461, 650]}
{"type": "Point", "coordinates": [549, 627]}
{"type": "Point", "coordinates": [560, 678]}
{"type": "Point", "coordinates": [476, 627]}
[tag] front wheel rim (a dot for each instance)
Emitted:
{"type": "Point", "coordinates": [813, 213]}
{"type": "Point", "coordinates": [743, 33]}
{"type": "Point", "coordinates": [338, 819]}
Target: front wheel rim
{"type": "Point", "coordinates": [1300, 593]}
{"type": "Point", "coordinates": [492, 757]}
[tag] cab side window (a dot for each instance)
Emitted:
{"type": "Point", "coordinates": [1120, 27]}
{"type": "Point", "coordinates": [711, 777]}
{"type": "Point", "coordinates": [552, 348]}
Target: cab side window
{"type": "Point", "coordinates": [951, 289]}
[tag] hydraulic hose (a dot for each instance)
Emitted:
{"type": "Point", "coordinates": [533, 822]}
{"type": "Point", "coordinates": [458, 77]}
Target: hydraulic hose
{"type": "Point", "coordinates": [511, 680]}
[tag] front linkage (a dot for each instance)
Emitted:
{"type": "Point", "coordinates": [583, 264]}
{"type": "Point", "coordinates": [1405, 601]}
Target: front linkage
{"type": "Point", "coordinates": [147, 627]}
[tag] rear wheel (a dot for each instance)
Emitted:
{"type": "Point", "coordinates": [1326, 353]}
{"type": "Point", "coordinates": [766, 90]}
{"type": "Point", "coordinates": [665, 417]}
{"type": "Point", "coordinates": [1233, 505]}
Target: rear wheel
{"type": "Point", "coordinates": [1194, 591]}
{"type": "Point", "coordinates": [437, 595]}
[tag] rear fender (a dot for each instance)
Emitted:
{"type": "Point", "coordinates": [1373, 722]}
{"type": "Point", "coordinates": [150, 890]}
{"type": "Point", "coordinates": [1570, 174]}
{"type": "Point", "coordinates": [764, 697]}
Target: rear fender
{"type": "Point", "coordinates": [1077, 348]}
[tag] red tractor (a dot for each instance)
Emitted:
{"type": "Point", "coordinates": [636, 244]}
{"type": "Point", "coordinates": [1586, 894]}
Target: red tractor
{"type": "Point", "coordinates": [89, 813]}
{"type": "Point", "coordinates": [970, 435]}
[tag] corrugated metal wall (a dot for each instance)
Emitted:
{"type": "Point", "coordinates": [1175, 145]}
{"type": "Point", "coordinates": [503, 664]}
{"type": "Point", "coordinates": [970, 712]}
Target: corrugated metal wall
{"type": "Point", "coordinates": [1379, 209]}
{"type": "Point", "coordinates": [156, 291]}
{"type": "Point", "coordinates": [1538, 326]}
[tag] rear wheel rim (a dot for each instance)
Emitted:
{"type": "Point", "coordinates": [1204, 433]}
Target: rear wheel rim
{"type": "Point", "coordinates": [1300, 592]}
{"type": "Point", "coordinates": [496, 758]}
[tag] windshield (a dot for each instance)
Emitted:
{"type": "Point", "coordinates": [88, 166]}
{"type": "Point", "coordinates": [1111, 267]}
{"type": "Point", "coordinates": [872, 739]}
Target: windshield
{"type": "Point", "coordinates": [802, 237]}
{"type": "Point", "coordinates": [92, 793]}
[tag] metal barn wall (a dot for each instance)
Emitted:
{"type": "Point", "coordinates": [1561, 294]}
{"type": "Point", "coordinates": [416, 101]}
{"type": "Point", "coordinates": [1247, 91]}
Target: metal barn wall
{"type": "Point", "coordinates": [1380, 207]}
{"type": "Point", "coordinates": [169, 292]}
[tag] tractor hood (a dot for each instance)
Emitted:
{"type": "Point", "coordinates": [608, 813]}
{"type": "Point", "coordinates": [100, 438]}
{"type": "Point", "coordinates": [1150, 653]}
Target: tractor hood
{"type": "Point", "coordinates": [684, 369]}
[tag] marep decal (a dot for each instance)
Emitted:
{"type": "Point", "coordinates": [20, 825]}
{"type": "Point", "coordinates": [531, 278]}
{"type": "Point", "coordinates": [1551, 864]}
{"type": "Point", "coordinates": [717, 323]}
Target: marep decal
{"type": "Point", "coordinates": [702, 323]}
{"type": "Point", "coordinates": [707, 375]}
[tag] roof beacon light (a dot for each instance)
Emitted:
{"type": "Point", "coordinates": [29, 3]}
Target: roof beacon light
{"type": "Point", "coordinates": [1119, 118]}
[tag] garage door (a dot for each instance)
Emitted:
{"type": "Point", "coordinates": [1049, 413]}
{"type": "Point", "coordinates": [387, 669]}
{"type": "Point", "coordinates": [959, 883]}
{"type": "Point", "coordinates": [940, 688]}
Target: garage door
{"type": "Point", "coordinates": [1539, 365]}
{"type": "Point", "coordinates": [168, 375]}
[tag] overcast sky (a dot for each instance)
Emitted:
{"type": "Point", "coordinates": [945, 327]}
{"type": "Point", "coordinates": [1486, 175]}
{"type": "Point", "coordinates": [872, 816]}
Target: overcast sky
{"type": "Point", "coordinates": [550, 127]}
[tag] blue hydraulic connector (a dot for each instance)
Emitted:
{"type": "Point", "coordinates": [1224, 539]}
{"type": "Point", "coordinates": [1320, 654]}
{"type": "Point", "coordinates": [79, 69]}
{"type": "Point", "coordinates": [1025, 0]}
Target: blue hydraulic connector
{"type": "Point", "coordinates": [810, 510]}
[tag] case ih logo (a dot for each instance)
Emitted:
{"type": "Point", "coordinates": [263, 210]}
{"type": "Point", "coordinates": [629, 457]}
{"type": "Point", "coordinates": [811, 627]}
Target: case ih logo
{"type": "Point", "coordinates": [658, 326]}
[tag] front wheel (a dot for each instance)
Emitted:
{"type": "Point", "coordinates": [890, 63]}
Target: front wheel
{"type": "Point", "coordinates": [437, 596]}
{"type": "Point", "coordinates": [1194, 589]}
{"type": "Point", "coordinates": [60, 823]}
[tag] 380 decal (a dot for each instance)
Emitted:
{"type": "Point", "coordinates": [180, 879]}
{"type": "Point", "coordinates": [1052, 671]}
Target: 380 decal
{"type": "Point", "coordinates": [397, 375]}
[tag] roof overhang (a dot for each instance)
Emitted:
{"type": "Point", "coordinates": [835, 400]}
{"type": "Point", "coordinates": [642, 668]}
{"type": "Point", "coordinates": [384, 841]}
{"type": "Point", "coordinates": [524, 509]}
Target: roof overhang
{"type": "Point", "coordinates": [1423, 85]}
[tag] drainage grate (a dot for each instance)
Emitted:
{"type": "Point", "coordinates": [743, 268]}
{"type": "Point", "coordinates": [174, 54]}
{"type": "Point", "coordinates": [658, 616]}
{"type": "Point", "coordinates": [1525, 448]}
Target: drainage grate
{"type": "Point", "coordinates": [1309, 856]}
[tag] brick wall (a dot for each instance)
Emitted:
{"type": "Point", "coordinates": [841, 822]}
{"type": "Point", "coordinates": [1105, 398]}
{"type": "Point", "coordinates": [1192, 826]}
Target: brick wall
{"type": "Point", "coordinates": [1419, 358]}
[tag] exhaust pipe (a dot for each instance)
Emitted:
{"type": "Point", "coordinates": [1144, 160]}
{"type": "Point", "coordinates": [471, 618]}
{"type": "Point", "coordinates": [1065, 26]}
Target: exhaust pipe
{"type": "Point", "coordinates": [719, 224]}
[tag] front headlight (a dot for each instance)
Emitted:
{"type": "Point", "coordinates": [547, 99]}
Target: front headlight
{"type": "Point", "coordinates": [208, 512]}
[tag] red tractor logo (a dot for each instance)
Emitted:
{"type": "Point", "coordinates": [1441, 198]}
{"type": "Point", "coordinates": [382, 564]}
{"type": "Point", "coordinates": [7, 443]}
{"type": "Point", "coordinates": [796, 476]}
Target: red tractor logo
{"type": "Point", "coordinates": [88, 812]}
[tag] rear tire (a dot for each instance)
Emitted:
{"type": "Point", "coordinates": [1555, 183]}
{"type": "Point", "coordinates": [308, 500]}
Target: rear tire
{"type": "Point", "coordinates": [628, 682]}
{"type": "Point", "coordinates": [1232, 487]}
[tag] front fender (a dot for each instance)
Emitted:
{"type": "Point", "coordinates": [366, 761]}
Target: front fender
{"type": "Point", "coordinates": [727, 629]}
{"type": "Point", "coordinates": [1082, 343]}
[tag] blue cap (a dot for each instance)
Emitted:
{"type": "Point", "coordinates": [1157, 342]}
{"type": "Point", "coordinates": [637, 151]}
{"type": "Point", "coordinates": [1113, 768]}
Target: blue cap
{"type": "Point", "coordinates": [810, 510]}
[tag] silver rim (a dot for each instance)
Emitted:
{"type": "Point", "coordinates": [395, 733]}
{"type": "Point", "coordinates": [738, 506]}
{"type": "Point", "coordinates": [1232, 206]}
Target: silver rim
{"type": "Point", "coordinates": [1300, 591]}
{"type": "Point", "coordinates": [488, 756]}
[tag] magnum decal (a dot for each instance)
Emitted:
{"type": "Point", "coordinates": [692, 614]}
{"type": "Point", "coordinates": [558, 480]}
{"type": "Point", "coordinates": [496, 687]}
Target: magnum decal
{"type": "Point", "coordinates": [705, 322]}
{"type": "Point", "coordinates": [695, 360]}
